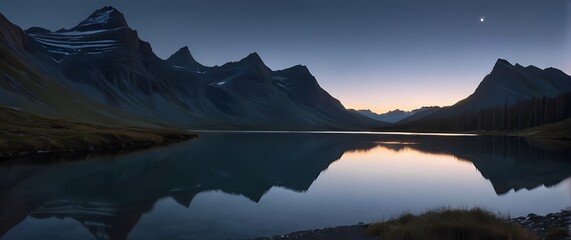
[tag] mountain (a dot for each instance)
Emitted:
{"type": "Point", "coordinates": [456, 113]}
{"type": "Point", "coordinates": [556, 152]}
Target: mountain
{"type": "Point", "coordinates": [29, 81]}
{"type": "Point", "coordinates": [508, 83]}
{"type": "Point", "coordinates": [101, 71]}
{"type": "Point", "coordinates": [184, 59]}
{"type": "Point", "coordinates": [397, 114]}
{"type": "Point", "coordinates": [421, 113]}
{"type": "Point", "coordinates": [511, 97]}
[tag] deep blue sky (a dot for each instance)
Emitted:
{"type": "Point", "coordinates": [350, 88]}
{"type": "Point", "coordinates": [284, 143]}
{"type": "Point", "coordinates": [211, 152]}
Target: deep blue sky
{"type": "Point", "coordinates": [368, 53]}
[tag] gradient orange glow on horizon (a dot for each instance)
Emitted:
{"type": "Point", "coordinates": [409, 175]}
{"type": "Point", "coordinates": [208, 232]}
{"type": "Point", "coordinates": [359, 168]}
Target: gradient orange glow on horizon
{"type": "Point", "coordinates": [413, 90]}
{"type": "Point", "coordinates": [378, 55]}
{"type": "Point", "coordinates": [408, 93]}
{"type": "Point", "coordinates": [403, 99]}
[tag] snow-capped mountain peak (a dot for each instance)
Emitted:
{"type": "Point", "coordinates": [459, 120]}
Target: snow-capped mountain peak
{"type": "Point", "coordinates": [105, 30]}
{"type": "Point", "coordinates": [104, 18]}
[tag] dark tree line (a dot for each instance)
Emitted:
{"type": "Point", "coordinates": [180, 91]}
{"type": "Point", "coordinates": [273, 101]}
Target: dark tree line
{"type": "Point", "coordinates": [523, 114]}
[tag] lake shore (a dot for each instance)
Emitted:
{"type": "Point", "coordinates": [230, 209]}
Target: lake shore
{"type": "Point", "coordinates": [541, 226]}
{"type": "Point", "coordinates": [24, 135]}
{"type": "Point", "coordinates": [553, 131]}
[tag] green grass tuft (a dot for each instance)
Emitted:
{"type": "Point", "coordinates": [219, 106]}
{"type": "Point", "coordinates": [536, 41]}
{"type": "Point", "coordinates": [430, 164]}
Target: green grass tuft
{"type": "Point", "coordinates": [27, 132]}
{"type": "Point", "coordinates": [450, 224]}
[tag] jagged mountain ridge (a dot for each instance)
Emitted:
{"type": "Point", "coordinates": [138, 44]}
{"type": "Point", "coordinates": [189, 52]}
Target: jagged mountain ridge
{"type": "Point", "coordinates": [103, 60]}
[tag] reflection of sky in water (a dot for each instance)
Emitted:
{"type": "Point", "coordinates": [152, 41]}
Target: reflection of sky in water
{"type": "Point", "coordinates": [363, 186]}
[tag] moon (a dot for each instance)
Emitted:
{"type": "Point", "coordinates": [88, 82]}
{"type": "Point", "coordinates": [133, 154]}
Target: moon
{"type": "Point", "coordinates": [481, 19]}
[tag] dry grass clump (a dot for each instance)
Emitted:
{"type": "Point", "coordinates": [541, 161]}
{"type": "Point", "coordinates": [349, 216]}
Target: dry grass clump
{"type": "Point", "coordinates": [450, 224]}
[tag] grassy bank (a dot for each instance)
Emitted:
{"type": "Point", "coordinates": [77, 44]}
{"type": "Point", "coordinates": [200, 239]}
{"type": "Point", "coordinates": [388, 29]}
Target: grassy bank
{"type": "Point", "coordinates": [559, 130]}
{"type": "Point", "coordinates": [23, 132]}
{"type": "Point", "coordinates": [450, 224]}
{"type": "Point", "coordinates": [445, 224]}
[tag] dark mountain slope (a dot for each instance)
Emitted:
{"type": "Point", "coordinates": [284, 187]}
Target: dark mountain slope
{"type": "Point", "coordinates": [511, 97]}
{"type": "Point", "coordinates": [184, 59]}
{"type": "Point", "coordinates": [508, 83]}
{"type": "Point", "coordinates": [28, 82]}
{"type": "Point", "coordinates": [103, 61]}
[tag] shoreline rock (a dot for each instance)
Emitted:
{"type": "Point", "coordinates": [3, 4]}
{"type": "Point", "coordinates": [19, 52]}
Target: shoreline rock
{"type": "Point", "coordinates": [542, 225]}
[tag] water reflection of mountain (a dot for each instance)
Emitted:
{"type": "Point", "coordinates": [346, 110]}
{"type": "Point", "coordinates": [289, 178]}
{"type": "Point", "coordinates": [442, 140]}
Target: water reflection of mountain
{"type": "Point", "coordinates": [108, 195]}
{"type": "Point", "coordinates": [508, 162]}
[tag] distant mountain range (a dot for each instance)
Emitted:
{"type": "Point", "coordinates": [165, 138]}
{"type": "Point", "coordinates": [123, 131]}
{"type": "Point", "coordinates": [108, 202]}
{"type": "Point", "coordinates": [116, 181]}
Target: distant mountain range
{"type": "Point", "coordinates": [397, 114]}
{"type": "Point", "coordinates": [100, 71]}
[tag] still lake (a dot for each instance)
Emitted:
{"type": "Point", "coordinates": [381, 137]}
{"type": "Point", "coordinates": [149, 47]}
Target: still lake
{"type": "Point", "coordinates": [241, 185]}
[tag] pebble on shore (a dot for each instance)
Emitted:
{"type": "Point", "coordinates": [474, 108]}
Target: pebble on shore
{"type": "Point", "coordinates": [541, 225]}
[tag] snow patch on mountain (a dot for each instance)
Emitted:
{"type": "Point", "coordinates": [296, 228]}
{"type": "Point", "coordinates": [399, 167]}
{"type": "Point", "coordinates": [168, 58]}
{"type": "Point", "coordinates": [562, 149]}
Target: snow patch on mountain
{"type": "Point", "coordinates": [98, 19]}
{"type": "Point", "coordinates": [83, 33]}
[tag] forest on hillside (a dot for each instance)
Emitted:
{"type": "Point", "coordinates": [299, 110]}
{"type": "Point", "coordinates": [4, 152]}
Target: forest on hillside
{"type": "Point", "coordinates": [521, 115]}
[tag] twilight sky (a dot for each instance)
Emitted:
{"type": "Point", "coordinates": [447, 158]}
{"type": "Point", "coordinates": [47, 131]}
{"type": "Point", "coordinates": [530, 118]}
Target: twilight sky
{"type": "Point", "coordinates": [372, 54]}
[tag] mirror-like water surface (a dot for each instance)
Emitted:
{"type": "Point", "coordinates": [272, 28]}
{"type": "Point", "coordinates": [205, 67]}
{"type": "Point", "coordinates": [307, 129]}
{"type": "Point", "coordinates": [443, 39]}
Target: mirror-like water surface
{"type": "Point", "coordinates": [240, 185]}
